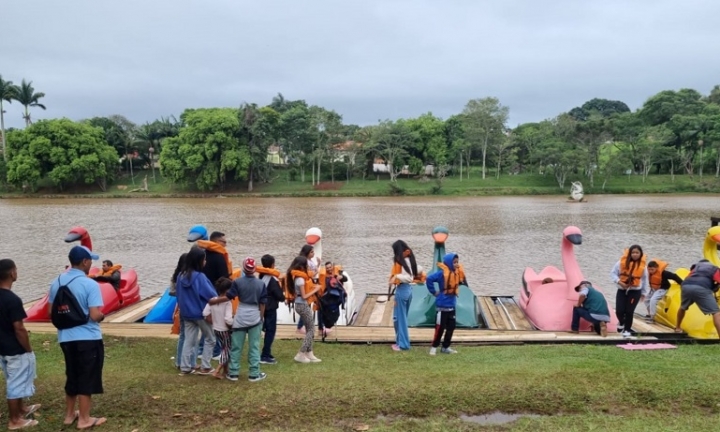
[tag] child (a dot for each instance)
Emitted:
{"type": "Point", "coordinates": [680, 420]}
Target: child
{"type": "Point", "coordinates": [332, 299]}
{"type": "Point", "coordinates": [659, 281]}
{"type": "Point", "coordinates": [448, 279]}
{"type": "Point", "coordinates": [221, 318]}
{"type": "Point", "coordinates": [275, 296]}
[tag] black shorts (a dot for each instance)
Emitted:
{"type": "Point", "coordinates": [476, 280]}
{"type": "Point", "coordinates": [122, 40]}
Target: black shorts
{"type": "Point", "coordinates": [83, 367]}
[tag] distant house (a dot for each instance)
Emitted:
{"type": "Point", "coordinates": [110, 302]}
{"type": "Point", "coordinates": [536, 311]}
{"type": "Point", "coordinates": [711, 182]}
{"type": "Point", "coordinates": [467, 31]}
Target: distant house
{"type": "Point", "coordinates": [379, 166]}
{"type": "Point", "coordinates": [274, 155]}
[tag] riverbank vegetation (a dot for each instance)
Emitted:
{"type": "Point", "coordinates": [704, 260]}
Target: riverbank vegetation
{"type": "Point", "coordinates": [292, 147]}
{"type": "Point", "coordinates": [568, 387]}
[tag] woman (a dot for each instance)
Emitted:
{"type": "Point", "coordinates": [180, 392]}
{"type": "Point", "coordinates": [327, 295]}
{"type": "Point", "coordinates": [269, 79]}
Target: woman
{"type": "Point", "coordinates": [178, 326]}
{"type": "Point", "coordinates": [631, 277]}
{"type": "Point", "coordinates": [194, 291]}
{"type": "Point", "coordinates": [305, 290]}
{"type": "Point", "coordinates": [308, 251]}
{"type": "Point", "coordinates": [404, 272]}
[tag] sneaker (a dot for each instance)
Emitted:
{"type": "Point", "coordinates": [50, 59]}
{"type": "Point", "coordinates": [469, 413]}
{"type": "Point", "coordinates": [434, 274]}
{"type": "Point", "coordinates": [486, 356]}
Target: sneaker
{"type": "Point", "coordinates": [395, 347]}
{"type": "Point", "coordinates": [301, 358]}
{"type": "Point", "coordinates": [260, 377]}
{"type": "Point", "coordinates": [448, 351]}
{"type": "Point", "coordinates": [620, 328]}
{"type": "Point", "coordinates": [603, 329]}
{"type": "Point", "coordinates": [268, 361]}
{"type": "Point", "coordinates": [300, 331]}
{"type": "Point", "coordinates": [433, 351]}
{"type": "Point", "coordinates": [626, 334]}
{"type": "Point", "coordinates": [310, 356]}
{"type": "Point", "coordinates": [231, 377]}
{"type": "Point", "coordinates": [216, 358]}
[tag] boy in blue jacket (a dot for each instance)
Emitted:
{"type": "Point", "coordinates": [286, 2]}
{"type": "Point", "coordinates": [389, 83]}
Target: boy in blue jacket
{"type": "Point", "coordinates": [448, 280]}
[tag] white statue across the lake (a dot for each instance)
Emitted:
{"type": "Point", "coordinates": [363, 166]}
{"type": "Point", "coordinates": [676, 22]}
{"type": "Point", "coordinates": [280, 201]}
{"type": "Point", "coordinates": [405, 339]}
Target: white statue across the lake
{"type": "Point", "coordinates": [576, 191]}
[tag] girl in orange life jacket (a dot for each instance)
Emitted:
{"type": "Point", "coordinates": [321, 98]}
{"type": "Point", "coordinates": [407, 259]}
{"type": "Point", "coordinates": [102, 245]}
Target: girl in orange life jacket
{"type": "Point", "coordinates": [631, 277]}
{"type": "Point", "coordinates": [404, 272]}
{"type": "Point", "coordinates": [308, 251]}
{"type": "Point", "coordinates": [659, 281]}
{"type": "Point", "coordinates": [305, 290]}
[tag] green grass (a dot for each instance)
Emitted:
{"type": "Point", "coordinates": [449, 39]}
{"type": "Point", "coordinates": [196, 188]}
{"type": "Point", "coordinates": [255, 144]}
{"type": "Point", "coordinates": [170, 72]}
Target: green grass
{"type": "Point", "coordinates": [525, 184]}
{"type": "Point", "coordinates": [572, 387]}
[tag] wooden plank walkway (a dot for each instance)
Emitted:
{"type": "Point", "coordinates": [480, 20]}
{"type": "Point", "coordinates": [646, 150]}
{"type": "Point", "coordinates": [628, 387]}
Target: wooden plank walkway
{"type": "Point", "coordinates": [135, 312]}
{"type": "Point", "coordinates": [352, 334]}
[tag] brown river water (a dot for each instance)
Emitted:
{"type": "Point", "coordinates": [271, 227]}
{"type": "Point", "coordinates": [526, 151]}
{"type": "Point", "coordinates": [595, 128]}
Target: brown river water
{"type": "Point", "coordinates": [495, 237]}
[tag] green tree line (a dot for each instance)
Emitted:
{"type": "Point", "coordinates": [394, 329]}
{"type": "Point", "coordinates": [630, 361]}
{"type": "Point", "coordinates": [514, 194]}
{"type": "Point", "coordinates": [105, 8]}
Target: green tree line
{"type": "Point", "coordinates": [674, 132]}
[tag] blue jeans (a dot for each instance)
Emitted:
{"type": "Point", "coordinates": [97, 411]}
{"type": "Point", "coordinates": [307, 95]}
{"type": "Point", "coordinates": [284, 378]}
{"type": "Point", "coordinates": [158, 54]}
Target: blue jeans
{"type": "Point", "coordinates": [403, 297]}
{"type": "Point", "coordinates": [192, 331]}
{"type": "Point", "coordinates": [579, 312]}
{"type": "Point", "coordinates": [270, 327]}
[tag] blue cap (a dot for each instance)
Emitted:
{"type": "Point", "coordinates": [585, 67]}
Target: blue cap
{"type": "Point", "coordinates": [79, 253]}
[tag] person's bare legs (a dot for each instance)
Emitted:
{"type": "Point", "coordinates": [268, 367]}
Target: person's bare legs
{"type": "Point", "coordinates": [84, 419]}
{"type": "Point", "coordinates": [69, 409]}
{"type": "Point", "coordinates": [716, 321]}
{"type": "Point", "coordinates": [16, 413]}
{"type": "Point", "coordinates": [680, 317]}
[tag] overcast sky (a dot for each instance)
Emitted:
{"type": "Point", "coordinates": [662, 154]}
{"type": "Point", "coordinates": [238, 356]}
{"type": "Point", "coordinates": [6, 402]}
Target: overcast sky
{"type": "Point", "coordinates": [366, 59]}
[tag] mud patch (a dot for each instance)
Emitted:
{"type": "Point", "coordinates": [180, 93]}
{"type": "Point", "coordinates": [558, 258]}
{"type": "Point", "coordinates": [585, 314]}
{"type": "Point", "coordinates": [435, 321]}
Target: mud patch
{"type": "Point", "coordinates": [496, 418]}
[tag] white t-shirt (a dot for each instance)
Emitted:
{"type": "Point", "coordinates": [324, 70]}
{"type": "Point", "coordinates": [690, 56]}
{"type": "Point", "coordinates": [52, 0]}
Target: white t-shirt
{"type": "Point", "coordinates": [222, 317]}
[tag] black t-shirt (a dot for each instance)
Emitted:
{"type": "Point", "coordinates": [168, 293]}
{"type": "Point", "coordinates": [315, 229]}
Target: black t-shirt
{"type": "Point", "coordinates": [215, 266]}
{"type": "Point", "coordinates": [11, 310]}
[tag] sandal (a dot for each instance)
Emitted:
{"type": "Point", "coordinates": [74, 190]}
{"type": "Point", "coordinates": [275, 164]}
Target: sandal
{"type": "Point", "coordinates": [28, 423]}
{"type": "Point", "coordinates": [31, 409]}
{"type": "Point", "coordinates": [77, 415]}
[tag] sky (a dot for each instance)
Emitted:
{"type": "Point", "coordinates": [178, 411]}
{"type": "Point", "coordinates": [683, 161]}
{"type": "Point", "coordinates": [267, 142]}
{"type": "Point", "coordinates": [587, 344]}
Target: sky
{"type": "Point", "coordinates": [369, 60]}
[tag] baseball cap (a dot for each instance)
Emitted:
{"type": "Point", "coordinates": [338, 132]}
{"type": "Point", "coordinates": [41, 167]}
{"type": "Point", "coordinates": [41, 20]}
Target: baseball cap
{"type": "Point", "coordinates": [581, 284]}
{"type": "Point", "coordinates": [249, 265]}
{"type": "Point", "coordinates": [79, 253]}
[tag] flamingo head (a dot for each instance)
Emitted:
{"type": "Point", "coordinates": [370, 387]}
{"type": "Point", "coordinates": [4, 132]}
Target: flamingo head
{"type": "Point", "coordinates": [197, 232]}
{"type": "Point", "coordinates": [313, 235]}
{"type": "Point", "coordinates": [573, 235]}
{"type": "Point", "coordinates": [714, 234]}
{"type": "Point", "coordinates": [440, 234]}
{"type": "Point", "coordinates": [75, 234]}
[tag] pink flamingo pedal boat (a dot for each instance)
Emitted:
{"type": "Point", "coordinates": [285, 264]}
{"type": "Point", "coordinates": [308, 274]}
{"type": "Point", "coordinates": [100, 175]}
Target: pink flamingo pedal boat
{"type": "Point", "coordinates": [549, 305]}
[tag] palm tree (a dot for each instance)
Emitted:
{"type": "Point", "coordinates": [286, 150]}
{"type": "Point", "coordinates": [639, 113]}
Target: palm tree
{"type": "Point", "coordinates": [8, 92]}
{"type": "Point", "coordinates": [28, 98]}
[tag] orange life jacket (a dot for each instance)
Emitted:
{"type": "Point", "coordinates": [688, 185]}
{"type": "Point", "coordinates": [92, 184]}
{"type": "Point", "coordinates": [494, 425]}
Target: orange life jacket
{"type": "Point", "coordinates": [631, 275]}
{"type": "Point", "coordinates": [398, 269]}
{"type": "Point", "coordinates": [452, 279]}
{"type": "Point", "coordinates": [268, 271]}
{"type": "Point", "coordinates": [656, 279]}
{"type": "Point", "coordinates": [309, 285]}
{"type": "Point", "coordinates": [175, 329]}
{"type": "Point", "coordinates": [217, 247]}
{"type": "Point", "coordinates": [110, 271]}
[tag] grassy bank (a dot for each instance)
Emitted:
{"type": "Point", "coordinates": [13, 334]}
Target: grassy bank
{"type": "Point", "coordinates": [526, 184]}
{"type": "Point", "coordinates": [571, 388]}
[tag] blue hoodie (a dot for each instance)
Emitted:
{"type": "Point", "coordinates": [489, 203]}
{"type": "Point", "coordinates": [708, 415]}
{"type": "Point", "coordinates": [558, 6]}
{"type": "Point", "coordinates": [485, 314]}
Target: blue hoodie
{"type": "Point", "coordinates": [193, 294]}
{"type": "Point", "coordinates": [442, 300]}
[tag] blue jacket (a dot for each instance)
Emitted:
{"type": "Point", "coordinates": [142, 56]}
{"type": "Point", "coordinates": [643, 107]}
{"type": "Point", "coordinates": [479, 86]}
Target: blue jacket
{"type": "Point", "coordinates": [193, 294]}
{"type": "Point", "coordinates": [442, 300]}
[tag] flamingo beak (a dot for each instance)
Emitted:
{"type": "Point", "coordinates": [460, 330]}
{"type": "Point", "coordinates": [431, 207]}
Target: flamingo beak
{"type": "Point", "coordinates": [72, 237]}
{"type": "Point", "coordinates": [575, 239]}
{"type": "Point", "coordinates": [312, 239]}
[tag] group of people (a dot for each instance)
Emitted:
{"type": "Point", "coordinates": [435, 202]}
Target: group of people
{"type": "Point", "coordinates": [223, 308]}
{"type": "Point", "coordinates": [639, 280]}
{"type": "Point", "coordinates": [80, 339]}
{"type": "Point", "coordinates": [443, 284]}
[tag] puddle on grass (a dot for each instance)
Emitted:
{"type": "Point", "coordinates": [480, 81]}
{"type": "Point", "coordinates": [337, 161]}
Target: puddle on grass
{"type": "Point", "coordinates": [496, 418]}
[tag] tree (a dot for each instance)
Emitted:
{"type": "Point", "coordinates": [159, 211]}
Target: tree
{"type": "Point", "coordinates": [503, 147]}
{"type": "Point", "coordinates": [614, 159]}
{"type": "Point", "coordinates": [8, 92]}
{"type": "Point", "coordinates": [392, 140]}
{"type": "Point", "coordinates": [258, 130]}
{"type": "Point", "coordinates": [529, 137]}
{"type": "Point", "coordinates": [651, 147]}
{"type": "Point", "coordinates": [668, 103]}
{"type": "Point", "coordinates": [28, 98]}
{"type": "Point", "coordinates": [207, 150]}
{"type": "Point", "coordinates": [714, 96]}
{"type": "Point", "coordinates": [598, 107]}
{"type": "Point", "coordinates": [484, 122]}
{"type": "Point", "coordinates": [66, 152]}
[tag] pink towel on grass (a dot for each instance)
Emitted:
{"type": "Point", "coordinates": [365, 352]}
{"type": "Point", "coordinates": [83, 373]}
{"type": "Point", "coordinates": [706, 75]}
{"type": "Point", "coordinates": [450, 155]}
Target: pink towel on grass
{"type": "Point", "coordinates": [652, 346]}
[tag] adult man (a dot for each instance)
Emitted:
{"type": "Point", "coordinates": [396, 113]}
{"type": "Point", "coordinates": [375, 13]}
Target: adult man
{"type": "Point", "coordinates": [217, 260]}
{"type": "Point", "coordinates": [659, 281]}
{"type": "Point", "coordinates": [16, 355]}
{"type": "Point", "coordinates": [82, 345]}
{"type": "Point", "coordinates": [110, 274]}
{"type": "Point", "coordinates": [592, 307]}
{"type": "Point", "coordinates": [699, 287]}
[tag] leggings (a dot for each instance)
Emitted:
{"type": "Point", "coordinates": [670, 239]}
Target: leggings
{"type": "Point", "coordinates": [305, 312]}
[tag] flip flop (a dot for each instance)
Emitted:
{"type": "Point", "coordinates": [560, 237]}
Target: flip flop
{"type": "Point", "coordinates": [77, 415]}
{"type": "Point", "coordinates": [95, 422]}
{"type": "Point", "coordinates": [31, 409]}
{"type": "Point", "coordinates": [28, 423]}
